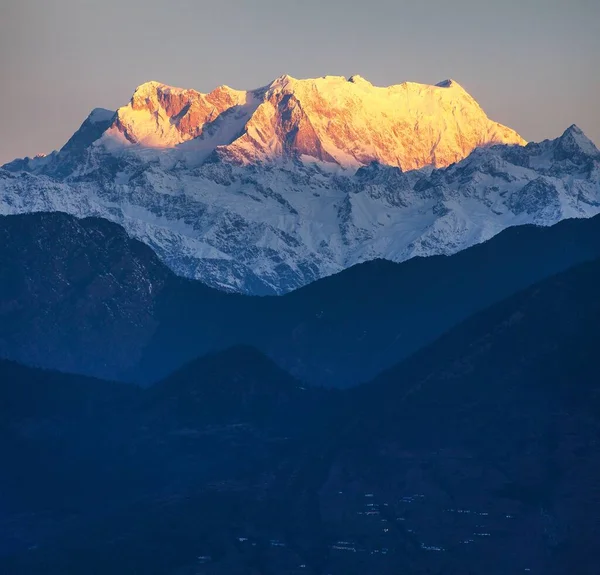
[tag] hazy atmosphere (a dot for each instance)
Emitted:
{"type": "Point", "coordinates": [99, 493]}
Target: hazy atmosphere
{"type": "Point", "coordinates": [528, 63]}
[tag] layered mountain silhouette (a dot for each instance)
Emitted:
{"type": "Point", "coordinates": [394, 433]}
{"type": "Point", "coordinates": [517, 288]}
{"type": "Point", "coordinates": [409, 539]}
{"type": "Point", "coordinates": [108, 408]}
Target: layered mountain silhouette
{"type": "Point", "coordinates": [320, 327]}
{"type": "Point", "coordinates": [237, 385]}
{"type": "Point", "coordinates": [497, 420]}
{"type": "Point", "coordinates": [81, 296]}
{"type": "Point", "coordinates": [477, 454]}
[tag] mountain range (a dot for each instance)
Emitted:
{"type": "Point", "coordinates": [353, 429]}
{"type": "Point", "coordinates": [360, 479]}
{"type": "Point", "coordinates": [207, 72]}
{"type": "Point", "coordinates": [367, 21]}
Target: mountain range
{"type": "Point", "coordinates": [317, 328]}
{"type": "Point", "coordinates": [81, 296]}
{"type": "Point", "coordinates": [476, 455]}
{"type": "Point", "coordinates": [265, 191]}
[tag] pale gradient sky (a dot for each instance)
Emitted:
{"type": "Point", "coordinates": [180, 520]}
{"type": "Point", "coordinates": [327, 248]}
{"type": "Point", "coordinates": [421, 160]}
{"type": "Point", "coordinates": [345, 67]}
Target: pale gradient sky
{"type": "Point", "coordinates": [531, 64]}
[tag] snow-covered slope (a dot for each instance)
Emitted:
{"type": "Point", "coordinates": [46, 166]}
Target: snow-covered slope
{"type": "Point", "coordinates": [332, 119]}
{"type": "Point", "coordinates": [265, 191]}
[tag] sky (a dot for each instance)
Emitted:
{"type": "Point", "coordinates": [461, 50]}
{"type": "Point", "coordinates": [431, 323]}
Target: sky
{"type": "Point", "coordinates": [533, 65]}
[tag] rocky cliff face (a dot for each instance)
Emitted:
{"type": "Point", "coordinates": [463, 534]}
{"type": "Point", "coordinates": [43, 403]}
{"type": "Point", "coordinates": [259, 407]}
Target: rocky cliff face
{"type": "Point", "coordinates": [162, 116]}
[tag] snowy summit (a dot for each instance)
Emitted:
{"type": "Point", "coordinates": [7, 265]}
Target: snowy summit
{"type": "Point", "coordinates": [343, 121]}
{"type": "Point", "coordinates": [266, 190]}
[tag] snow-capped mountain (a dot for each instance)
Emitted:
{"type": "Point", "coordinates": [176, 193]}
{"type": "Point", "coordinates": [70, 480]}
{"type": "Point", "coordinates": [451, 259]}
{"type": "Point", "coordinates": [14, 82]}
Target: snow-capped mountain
{"type": "Point", "coordinates": [265, 191]}
{"type": "Point", "coordinates": [331, 119]}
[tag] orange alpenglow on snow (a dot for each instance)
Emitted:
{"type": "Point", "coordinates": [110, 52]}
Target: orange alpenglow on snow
{"type": "Point", "coordinates": [348, 122]}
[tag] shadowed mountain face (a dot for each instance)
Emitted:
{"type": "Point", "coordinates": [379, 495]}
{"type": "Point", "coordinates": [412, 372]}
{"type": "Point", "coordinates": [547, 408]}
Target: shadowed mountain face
{"type": "Point", "coordinates": [59, 454]}
{"type": "Point", "coordinates": [496, 422]}
{"type": "Point", "coordinates": [76, 296]}
{"type": "Point", "coordinates": [81, 296]}
{"type": "Point", "coordinates": [82, 454]}
{"type": "Point", "coordinates": [236, 385]}
{"type": "Point", "coordinates": [479, 454]}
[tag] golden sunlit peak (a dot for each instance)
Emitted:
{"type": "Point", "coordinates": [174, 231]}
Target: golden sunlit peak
{"type": "Point", "coordinates": [283, 80]}
{"type": "Point", "coordinates": [335, 119]}
{"type": "Point", "coordinates": [153, 87]}
{"type": "Point", "coordinates": [149, 86]}
{"type": "Point", "coordinates": [357, 79]}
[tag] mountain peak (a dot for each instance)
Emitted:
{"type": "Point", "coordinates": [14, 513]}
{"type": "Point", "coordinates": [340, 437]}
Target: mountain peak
{"type": "Point", "coordinates": [162, 116]}
{"type": "Point", "coordinates": [152, 86]}
{"type": "Point", "coordinates": [332, 119]}
{"type": "Point", "coordinates": [575, 145]}
{"type": "Point", "coordinates": [283, 79]}
{"type": "Point", "coordinates": [148, 93]}
{"type": "Point", "coordinates": [100, 115]}
{"type": "Point", "coordinates": [237, 383]}
{"type": "Point", "coordinates": [357, 79]}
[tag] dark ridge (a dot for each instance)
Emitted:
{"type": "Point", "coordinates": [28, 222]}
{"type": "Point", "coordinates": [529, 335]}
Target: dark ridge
{"type": "Point", "coordinates": [81, 296]}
